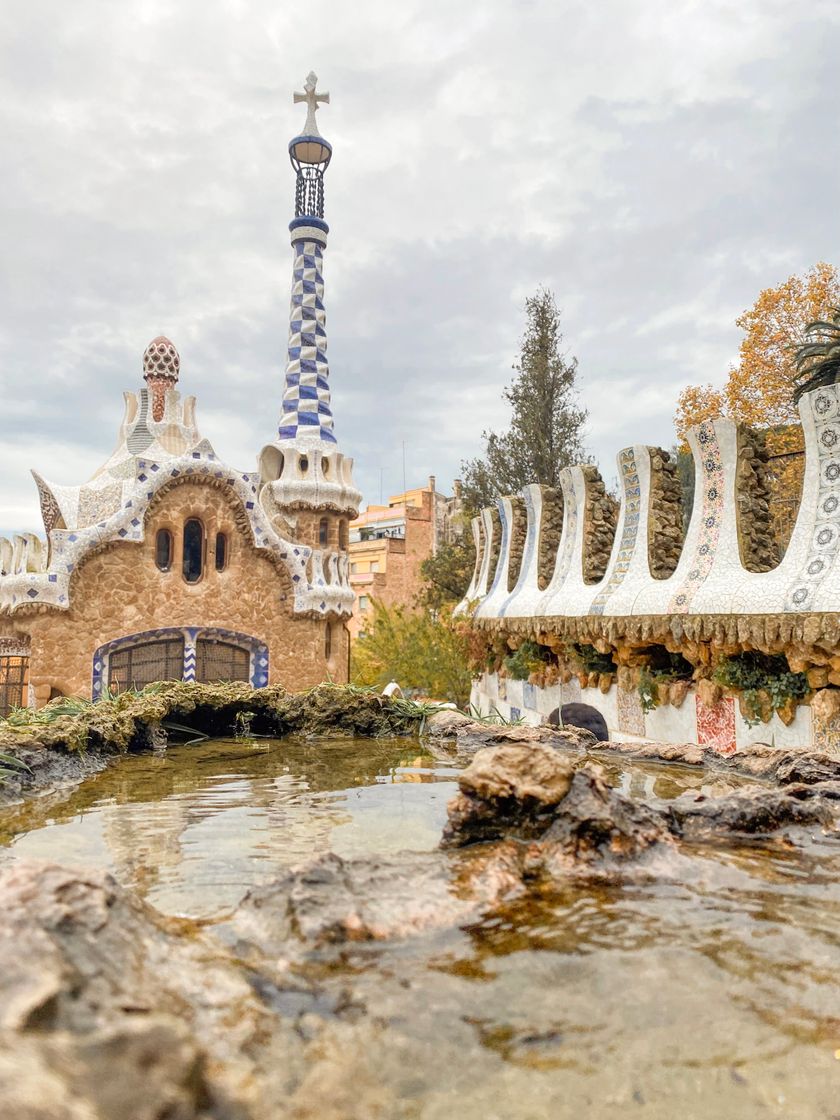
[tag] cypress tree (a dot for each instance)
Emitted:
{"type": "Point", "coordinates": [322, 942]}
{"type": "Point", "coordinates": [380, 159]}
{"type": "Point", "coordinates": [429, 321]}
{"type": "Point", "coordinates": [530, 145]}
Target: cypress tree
{"type": "Point", "coordinates": [546, 422]}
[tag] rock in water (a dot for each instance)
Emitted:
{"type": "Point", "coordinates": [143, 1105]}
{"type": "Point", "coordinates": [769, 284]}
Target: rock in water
{"type": "Point", "coordinates": [569, 816]}
{"type": "Point", "coordinates": [534, 776]}
{"type": "Point", "coordinates": [111, 1004]}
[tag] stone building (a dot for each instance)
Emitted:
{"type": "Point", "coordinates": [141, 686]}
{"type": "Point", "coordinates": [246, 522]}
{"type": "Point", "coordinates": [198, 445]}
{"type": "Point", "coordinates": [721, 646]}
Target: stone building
{"type": "Point", "coordinates": [388, 544]}
{"type": "Point", "coordinates": [170, 564]}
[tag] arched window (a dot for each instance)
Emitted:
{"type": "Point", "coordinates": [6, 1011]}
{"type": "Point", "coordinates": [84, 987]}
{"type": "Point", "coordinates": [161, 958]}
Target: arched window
{"type": "Point", "coordinates": [142, 663]}
{"type": "Point", "coordinates": [221, 551]}
{"type": "Point", "coordinates": [193, 561]}
{"type": "Point", "coordinates": [327, 641]}
{"type": "Point", "coordinates": [323, 532]}
{"type": "Point", "coordinates": [343, 533]}
{"type": "Point", "coordinates": [303, 463]}
{"type": "Point", "coordinates": [163, 549]}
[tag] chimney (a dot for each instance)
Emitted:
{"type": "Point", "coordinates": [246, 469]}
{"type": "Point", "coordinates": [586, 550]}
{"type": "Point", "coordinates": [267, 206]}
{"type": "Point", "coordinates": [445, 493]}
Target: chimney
{"type": "Point", "coordinates": [456, 488]}
{"type": "Point", "coordinates": [432, 481]}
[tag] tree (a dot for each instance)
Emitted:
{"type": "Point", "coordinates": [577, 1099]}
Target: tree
{"type": "Point", "coordinates": [760, 389]}
{"type": "Point", "coordinates": [696, 404]}
{"type": "Point", "coordinates": [818, 358]}
{"type": "Point", "coordinates": [447, 574]}
{"type": "Point", "coordinates": [423, 652]}
{"type": "Point", "coordinates": [763, 387]}
{"type": "Point", "coordinates": [545, 427]}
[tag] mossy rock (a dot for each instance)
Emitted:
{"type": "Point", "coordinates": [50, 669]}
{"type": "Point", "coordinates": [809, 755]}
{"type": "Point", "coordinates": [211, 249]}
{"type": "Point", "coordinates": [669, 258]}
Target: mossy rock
{"type": "Point", "coordinates": [129, 721]}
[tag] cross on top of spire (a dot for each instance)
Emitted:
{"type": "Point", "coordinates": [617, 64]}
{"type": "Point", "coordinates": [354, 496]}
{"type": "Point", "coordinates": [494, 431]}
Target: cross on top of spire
{"type": "Point", "coordinates": [312, 100]}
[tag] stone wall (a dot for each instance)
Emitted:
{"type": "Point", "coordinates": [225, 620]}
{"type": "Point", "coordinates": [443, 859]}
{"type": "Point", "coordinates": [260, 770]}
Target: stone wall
{"type": "Point", "coordinates": [551, 526]}
{"type": "Point", "coordinates": [665, 520]}
{"type": "Point", "coordinates": [758, 547]}
{"type": "Point", "coordinates": [517, 541]}
{"type": "Point", "coordinates": [696, 714]}
{"type": "Point", "coordinates": [120, 591]}
{"type": "Point", "coordinates": [600, 517]}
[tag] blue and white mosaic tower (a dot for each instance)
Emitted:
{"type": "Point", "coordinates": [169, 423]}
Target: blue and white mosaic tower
{"type": "Point", "coordinates": [306, 398]}
{"type": "Point", "coordinates": [303, 468]}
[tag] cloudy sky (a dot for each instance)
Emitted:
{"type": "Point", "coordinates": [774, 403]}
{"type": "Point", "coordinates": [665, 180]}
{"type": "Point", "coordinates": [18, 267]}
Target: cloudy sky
{"type": "Point", "coordinates": [654, 162]}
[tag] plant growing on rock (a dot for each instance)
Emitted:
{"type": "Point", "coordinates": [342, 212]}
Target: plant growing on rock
{"type": "Point", "coordinates": [11, 767]}
{"type": "Point", "coordinates": [590, 660]}
{"type": "Point", "coordinates": [663, 668]}
{"type": "Point", "coordinates": [529, 658]}
{"type": "Point", "coordinates": [765, 683]}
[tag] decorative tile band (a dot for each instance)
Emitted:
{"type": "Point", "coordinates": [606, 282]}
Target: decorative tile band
{"type": "Point", "coordinates": [711, 481]}
{"type": "Point", "coordinates": [825, 540]}
{"type": "Point", "coordinates": [306, 398]}
{"type": "Point", "coordinates": [632, 507]}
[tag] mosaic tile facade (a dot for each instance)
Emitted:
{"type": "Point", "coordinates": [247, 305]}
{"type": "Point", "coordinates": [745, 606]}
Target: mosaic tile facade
{"type": "Point", "coordinates": [631, 718]}
{"type": "Point", "coordinates": [306, 397]}
{"type": "Point", "coordinates": [827, 734]}
{"type": "Point", "coordinates": [710, 577]}
{"type": "Point", "coordinates": [824, 544]}
{"type": "Point", "coordinates": [709, 472]}
{"type": "Point", "coordinates": [716, 726]}
{"type": "Point", "coordinates": [629, 475]}
{"type": "Point", "coordinates": [710, 581]}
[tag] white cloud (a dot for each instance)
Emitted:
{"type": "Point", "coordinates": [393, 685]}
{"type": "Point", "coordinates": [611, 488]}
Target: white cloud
{"type": "Point", "coordinates": [654, 162]}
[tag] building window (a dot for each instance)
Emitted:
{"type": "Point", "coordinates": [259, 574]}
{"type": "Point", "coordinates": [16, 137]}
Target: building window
{"type": "Point", "coordinates": [221, 551]}
{"type": "Point", "coordinates": [328, 641]}
{"type": "Point", "coordinates": [163, 549]}
{"type": "Point", "coordinates": [323, 532]}
{"type": "Point", "coordinates": [363, 602]}
{"type": "Point", "coordinates": [221, 661]}
{"type": "Point", "coordinates": [303, 464]}
{"type": "Point", "coordinates": [145, 663]}
{"type": "Point", "coordinates": [193, 561]}
{"type": "Point", "coordinates": [374, 565]}
{"type": "Point", "coordinates": [343, 533]}
{"type": "Point", "coordinates": [14, 670]}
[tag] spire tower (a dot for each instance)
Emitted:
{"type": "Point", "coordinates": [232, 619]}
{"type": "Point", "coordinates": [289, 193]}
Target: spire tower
{"type": "Point", "coordinates": [303, 473]}
{"type": "Point", "coordinates": [307, 413]}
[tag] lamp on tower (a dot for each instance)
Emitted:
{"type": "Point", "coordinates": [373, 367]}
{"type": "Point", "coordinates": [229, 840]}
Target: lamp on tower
{"type": "Point", "coordinates": [310, 154]}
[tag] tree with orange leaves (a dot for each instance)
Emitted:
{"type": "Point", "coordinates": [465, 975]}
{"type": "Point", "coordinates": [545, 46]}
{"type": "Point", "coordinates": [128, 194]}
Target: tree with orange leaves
{"type": "Point", "coordinates": [760, 388]}
{"type": "Point", "coordinates": [695, 404]}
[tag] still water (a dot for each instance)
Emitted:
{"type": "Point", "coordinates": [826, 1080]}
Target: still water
{"type": "Point", "coordinates": [710, 991]}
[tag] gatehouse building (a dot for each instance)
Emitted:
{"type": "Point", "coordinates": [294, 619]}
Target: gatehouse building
{"type": "Point", "coordinates": [171, 564]}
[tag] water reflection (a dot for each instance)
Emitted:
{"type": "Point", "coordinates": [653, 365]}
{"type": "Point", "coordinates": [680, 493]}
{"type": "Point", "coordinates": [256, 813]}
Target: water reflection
{"type": "Point", "coordinates": [191, 830]}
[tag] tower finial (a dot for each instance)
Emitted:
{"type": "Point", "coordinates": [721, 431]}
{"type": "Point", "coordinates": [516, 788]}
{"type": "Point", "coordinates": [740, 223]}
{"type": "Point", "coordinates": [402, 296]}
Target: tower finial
{"type": "Point", "coordinates": [312, 100]}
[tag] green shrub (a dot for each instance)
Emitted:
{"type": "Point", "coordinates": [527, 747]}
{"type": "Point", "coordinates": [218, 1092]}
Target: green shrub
{"type": "Point", "coordinates": [526, 660]}
{"type": "Point", "coordinates": [753, 673]}
{"type": "Point", "coordinates": [663, 668]}
{"type": "Point", "coordinates": [589, 660]}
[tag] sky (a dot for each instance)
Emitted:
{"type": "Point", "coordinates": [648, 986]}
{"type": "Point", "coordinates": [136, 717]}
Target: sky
{"type": "Point", "coordinates": [654, 163]}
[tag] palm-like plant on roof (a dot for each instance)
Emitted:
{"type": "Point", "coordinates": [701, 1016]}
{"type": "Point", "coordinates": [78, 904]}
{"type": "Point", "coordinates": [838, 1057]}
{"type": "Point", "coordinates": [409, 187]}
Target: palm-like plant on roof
{"type": "Point", "coordinates": [818, 358]}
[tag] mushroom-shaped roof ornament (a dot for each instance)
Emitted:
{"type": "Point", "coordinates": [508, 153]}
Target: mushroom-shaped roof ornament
{"type": "Point", "coordinates": [161, 359]}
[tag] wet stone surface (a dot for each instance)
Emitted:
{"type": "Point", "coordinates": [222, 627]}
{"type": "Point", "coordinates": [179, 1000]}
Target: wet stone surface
{"type": "Point", "coordinates": [635, 937]}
